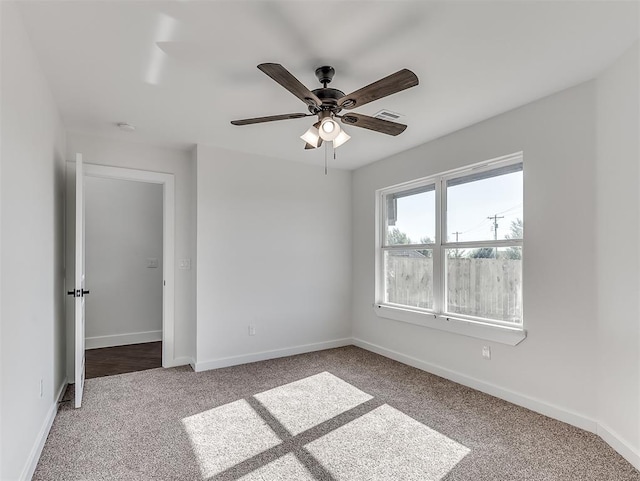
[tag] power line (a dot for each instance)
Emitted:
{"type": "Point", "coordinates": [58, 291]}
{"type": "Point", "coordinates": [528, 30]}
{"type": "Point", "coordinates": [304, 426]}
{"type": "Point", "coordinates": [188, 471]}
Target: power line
{"type": "Point", "coordinates": [474, 228]}
{"type": "Point", "coordinates": [510, 208]}
{"type": "Point", "coordinates": [482, 223]}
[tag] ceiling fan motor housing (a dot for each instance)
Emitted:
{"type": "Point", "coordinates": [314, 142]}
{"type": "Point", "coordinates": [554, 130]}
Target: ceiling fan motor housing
{"type": "Point", "coordinates": [329, 98]}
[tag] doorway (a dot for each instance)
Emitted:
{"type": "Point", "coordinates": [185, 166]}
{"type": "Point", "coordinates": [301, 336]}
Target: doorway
{"type": "Point", "coordinates": [123, 267]}
{"type": "Point", "coordinates": [133, 337]}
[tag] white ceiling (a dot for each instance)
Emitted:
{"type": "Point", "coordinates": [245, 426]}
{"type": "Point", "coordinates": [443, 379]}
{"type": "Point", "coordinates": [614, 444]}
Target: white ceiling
{"type": "Point", "coordinates": [181, 71]}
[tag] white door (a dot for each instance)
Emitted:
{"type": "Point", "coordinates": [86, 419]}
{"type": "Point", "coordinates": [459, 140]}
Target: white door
{"type": "Point", "coordinates": [79, 283]}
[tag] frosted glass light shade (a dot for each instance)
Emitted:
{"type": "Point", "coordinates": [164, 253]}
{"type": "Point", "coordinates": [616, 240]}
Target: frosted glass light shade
{"type": "Point", "coordinates": [329, 129]}
{"type": "Point", "coordinates": [340, 139]}
{"type": "Point", "coordinates": [311, 136]}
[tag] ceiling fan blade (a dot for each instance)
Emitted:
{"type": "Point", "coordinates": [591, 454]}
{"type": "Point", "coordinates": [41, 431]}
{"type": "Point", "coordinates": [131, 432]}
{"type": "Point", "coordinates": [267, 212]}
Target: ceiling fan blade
{"type": "Point", "coordinates": [271, 118]}
{"type": "Point", "coordinates": [372, 123]}
{"type": "Point", "coordinates": [396, 82]}
{"type": "Point", "coordinates": [281, 75]}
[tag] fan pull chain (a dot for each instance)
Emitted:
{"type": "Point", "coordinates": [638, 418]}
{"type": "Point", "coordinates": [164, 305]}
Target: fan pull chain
{"type": "Point", "coordinates": [326, 151]}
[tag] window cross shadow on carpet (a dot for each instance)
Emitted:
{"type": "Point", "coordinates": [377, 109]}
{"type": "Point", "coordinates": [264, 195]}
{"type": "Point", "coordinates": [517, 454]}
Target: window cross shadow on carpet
{"type": "Point", "coordinates": [317, 428]}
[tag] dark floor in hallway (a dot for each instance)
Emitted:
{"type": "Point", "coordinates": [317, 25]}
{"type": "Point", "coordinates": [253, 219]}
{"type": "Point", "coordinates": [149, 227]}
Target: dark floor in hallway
{"type": "Point", "coordinates": [108, 361]}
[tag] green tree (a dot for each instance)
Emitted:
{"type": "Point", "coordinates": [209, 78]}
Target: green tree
{"type": "Point", "coordinates": [513, 253]}
{"type": "Point", "coordinates": [426, 252]}
{"type": "Point", "coordinates": [482, 253]}
{"type": "Point", "coordinates": [456, 253]}
{"type": "Point", "coordinates": [395, 237]}
{"type": "Point", "coordinates": [517, 229]}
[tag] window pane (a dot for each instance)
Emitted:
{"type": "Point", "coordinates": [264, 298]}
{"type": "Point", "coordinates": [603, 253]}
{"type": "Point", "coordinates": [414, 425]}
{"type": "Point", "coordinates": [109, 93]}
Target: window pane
{"type": "Point", "coordinates": [411, 216]}
{"type": "Point", "coordinates": [485, 206]}
{"type": "Point", "coordinates": [409, 277]}
{"type": "Point", "coordinates": [485, 282]}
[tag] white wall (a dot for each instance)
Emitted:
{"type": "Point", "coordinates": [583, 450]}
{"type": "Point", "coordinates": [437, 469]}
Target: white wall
{"type": "Point", "coordinates": [32, 270]}
{"type": "Point", "coordinates": [553, 369]}
{"type": "Point", "coordinates": [274, 250]}
{"type": "Point", "coordinates": [618, 248]}
{"type": "Point", "coordinates": [180, 163]}
{"type": "Point", "coordinates": [123, 230]}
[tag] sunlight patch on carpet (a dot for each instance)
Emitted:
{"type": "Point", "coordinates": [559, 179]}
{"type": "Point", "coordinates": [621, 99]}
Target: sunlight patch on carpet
{"type": "Point", "coordinates": [285, 468]}
{"type": "Point", "coordinates": [303, 404]}
{"type": "Point", "coordinates": [386, 444]}
{"type": "Point", "coordinates": [227, 435]}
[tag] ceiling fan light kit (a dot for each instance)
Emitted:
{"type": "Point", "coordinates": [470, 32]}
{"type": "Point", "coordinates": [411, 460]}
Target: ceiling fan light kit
{"type": "Point", "coordinates": [326, 103]}
{"type": "Point", "coordinates": [340, 139]}
{"type": "Point", "coordinates": [329, 128]}
{"type": "Point", "coordinates": [312, 137]}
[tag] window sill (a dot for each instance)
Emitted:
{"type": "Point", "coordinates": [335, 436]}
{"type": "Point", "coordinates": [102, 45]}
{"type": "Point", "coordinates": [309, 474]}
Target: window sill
{"type": "Point", "coordinates": [504, 335]}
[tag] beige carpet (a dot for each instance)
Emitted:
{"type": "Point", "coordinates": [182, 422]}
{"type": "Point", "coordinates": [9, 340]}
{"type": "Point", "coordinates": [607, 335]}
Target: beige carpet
{"type": "Point", "coordinates": [339, 415]}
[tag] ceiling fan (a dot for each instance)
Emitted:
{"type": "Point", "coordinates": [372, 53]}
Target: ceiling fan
{"type": "Point", "coordinates": [326, 103]}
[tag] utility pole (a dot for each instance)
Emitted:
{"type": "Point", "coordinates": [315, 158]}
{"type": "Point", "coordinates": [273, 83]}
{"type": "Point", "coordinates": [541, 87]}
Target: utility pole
{"type": "Point", "coordinates": [495, 232]}
{"type": "Point", "coordinates": [457, 250]}
{"type": "Point", "coordinates": [495, 225]}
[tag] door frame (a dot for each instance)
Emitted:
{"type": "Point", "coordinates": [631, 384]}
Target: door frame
{"type": "Point", "coordinates": [168, 243]}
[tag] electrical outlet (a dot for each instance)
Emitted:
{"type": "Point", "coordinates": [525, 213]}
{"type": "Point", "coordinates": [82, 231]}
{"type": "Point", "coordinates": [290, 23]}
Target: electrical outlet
{"type": "Point", "coordinates": [41, 388]}
{"type": "Point", "coordinates": [252, 329]}
{"type": "Point", "coordinates": [152, 262]}
{"type": "Point", "coordinates": [184, 264]}
{"type": "Point", "coordinates": [486, 352]}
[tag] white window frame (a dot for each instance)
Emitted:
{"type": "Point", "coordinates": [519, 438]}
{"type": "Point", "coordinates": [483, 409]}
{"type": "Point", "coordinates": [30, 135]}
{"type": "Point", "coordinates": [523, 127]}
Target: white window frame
{"type": "Point", "coordinates": [438, 318]}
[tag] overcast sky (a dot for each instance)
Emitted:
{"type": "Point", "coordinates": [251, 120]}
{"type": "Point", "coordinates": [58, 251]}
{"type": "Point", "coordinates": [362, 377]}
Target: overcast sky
{"type": "Point", "coordinates": [468, 208]}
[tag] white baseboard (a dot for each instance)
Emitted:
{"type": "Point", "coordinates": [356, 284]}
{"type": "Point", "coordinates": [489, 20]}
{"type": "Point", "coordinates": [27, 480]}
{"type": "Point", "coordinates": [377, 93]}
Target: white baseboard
{"type": "Point", "coordinates": [536, 405]}
{"type": "Point", "coordinates": [542, 407]}
{"type": "Point", "coordinates": [180, 361]}
{"type": "Point", "coordinates": [264, 355]}
{"type": "Point", "coordinates": [36, 450]}
{"type": "Point", "coordinates": [122, 339]}
{"type": "Point", "coordinates": [555, 412]}
{"type": "Point", "coordinates": [622, 447]}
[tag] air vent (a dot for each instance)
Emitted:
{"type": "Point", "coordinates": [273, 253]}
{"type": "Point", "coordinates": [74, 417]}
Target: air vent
{"type": "Point", "coordinates": [389, 115]}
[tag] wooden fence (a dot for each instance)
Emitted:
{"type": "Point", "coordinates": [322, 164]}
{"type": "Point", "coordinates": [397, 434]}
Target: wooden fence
{"type": "Point", "coordinates": [488, 288]}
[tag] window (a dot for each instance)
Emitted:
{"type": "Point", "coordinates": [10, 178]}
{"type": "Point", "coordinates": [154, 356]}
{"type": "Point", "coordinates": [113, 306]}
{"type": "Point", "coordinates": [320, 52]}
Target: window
{"type": "Point", "coordinates": [450, 246]}
{"type": "Point", "coordinates": [410, 213]}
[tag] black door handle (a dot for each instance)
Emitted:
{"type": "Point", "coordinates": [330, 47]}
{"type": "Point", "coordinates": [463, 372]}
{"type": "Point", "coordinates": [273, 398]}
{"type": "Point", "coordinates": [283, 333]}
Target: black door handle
{"type": "Point", "coordinates": [78, 293]}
